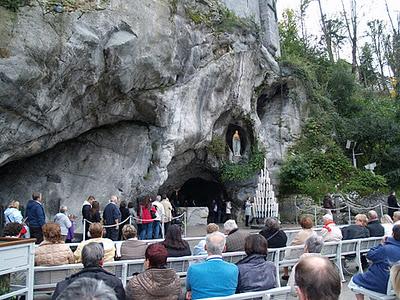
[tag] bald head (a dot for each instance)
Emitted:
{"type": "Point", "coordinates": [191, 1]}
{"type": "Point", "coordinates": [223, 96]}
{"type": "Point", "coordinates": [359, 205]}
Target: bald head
{"type": "Point", "coordinates": [317, 278]}
{"type": "Point", "coordinates": [215, 243]}
{"type": "Point", "coordinates": [372, 215]}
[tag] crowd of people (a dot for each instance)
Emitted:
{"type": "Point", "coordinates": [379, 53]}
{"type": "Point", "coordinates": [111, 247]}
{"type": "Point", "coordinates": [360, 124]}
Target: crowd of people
{"type": "Point", "coordinates": [313, 277]}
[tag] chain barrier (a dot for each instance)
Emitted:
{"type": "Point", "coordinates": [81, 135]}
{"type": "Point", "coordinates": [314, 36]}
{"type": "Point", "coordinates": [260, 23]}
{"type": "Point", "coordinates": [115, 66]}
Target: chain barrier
{"type": "Point", "coordinates": [139, 221]}
{"type": "Point", "coordinates": [313, 210]}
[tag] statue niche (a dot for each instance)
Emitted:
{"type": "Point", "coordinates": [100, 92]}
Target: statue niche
{"type": "Point", "coordinates": [236, 140]}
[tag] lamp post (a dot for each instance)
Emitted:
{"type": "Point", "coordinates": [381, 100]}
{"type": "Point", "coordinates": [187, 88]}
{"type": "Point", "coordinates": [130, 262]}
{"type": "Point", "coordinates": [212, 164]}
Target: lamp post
{"type": "Point", "coordinates": [354, 155]}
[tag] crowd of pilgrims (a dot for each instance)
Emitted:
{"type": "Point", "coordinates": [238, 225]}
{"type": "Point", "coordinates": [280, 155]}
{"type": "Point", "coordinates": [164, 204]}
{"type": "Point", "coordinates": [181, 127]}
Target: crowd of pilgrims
{"type": "Point", "coordinates": [52, 249]}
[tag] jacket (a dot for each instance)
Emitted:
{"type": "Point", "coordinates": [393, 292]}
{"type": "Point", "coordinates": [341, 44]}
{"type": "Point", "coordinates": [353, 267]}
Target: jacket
{"type": "Point", "coordinates": [375, 228]}
{"type": "Point", "coordinates": [235, 240]}
{"type": "Point", "coordinates": [64, 222]}
{"type": "Point", "coordinates": [331, 233]}
{"type": "Point", "coordinates": [50, 254]}
{"type": "Point", "coordinates": [382, 257]}
{"type": "Point", "coordinates": [86, 210]}
{"type": "Point", "coordinates": [133, 249]}
{"type": "Point", "coordinates": [392, 202]}
{"type": "Point", "coordinates": [276, 239]}
{"type": "Point", "coordinates": [163, 284]}
{"type": "Point", "coordinates": [354, 232]}
{"type": "Point", "coordinates": [35, 214]}
{"type": "Point", "coordinates": [109, 249]}
{"type": "Point", "coordinates": [111, 213]}
{"type": "Point", "coordinates": [97, 273]}
{"type": "Point", "coordinates": [159, 210]}
{"type": "Point", "coordinates": [12, 214]}
{"type": "Point", "coordinates": [145, 215]}
{"type": "Point", "coordinates": [167, 210]}
{"type": "Point", "coordinates": [255, 274]}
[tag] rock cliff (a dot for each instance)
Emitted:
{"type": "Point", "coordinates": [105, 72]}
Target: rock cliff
{"type": "Point", "coordinates": [125, 100]}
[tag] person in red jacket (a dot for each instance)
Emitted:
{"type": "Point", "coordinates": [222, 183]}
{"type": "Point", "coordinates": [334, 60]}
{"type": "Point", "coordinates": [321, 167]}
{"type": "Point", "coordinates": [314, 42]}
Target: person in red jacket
{"type": "Point", "coordinates": [145, 213]}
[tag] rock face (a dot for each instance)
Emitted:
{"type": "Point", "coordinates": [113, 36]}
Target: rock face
{"type": "Point", "coordinates": [127, 99]}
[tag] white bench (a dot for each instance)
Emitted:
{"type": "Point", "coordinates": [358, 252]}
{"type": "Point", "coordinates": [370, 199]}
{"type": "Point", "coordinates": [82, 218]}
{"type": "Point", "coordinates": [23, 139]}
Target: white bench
{"type": "Point", "coordinates": [281, 293]}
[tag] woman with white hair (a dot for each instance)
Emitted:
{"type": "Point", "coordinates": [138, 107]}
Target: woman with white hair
{"type": "Point", "coordinates": [330, 232]}
{"type": "Point", "coordinates": [387, 223]}
{"type": "Point", "coordinates": [64, 221]}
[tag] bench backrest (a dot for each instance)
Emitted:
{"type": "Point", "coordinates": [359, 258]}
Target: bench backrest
{"type": "Point", "coordinates": [281, 293]}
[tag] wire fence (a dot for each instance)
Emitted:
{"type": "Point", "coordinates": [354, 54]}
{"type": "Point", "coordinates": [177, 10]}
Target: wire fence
{"type": "Point", "coordinates": [341, 213]}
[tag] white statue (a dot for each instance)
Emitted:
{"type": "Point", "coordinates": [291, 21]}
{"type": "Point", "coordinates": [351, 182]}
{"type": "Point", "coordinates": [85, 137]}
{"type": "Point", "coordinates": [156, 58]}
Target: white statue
{"type": "Point", "coordinates": [236, 144]}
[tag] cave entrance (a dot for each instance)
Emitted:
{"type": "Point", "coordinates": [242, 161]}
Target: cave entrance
{"type": "Point", "coordinates": [198, 192]}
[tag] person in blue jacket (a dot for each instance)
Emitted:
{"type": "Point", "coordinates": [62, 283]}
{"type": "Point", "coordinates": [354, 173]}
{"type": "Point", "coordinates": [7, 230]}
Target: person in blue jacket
{"type": "Point", "coordinates": [36, 217]}
{"type": "Point", "coordinates": [112, 216]}
{"type": "Point", "coordinates": [383, 257]}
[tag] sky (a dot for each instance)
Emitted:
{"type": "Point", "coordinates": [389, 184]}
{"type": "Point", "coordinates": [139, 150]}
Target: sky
{"type": "Point", "coordinates": [367, 10]}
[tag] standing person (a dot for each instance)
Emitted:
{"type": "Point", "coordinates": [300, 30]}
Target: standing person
{"type": "Point", "coordinates": [247, 211]}
{"type": "Point", "coordinates": [146, 231]}
{"type": "Point", "coordinates": [64, 221]}
{"type": "Point", "coordinates": [71, 230]}
{"type": "Point", "coordinates": [36, 217]}
{"type": "Point", "coordinates": [124, 215]}
{"type": "Point", "coordinates": [328, 204]}
{"type": "Point", "coordinates": [12, 213]}
{"type": "Point", "coordinates": [94, 213]}
{"type": "Point", "coordinates": [159, 215]}
{"type": "Point", "coordinates": [392, 203]}
{"type": "Point", "coordinates": [133, 214]}
{"type": "Point", "coordinates": [86, 206]}
{"type": "Point", "coordinates": [228, 210]}
{"type": "Point", "coordinates": [168, 209]}
{"type": "Point", "coordinates": [215, 211]}
{"type": "Point", "coordinates": [112, 216]}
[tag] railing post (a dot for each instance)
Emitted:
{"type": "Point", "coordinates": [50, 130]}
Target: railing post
{"type": "Point", "coordinates": [84, 229]}
{"type": "Point", "coordinates": [381, 208]}
{"type": "Point", "coordinates": [348, 208]}
{"type": "Point", "coordinates": [184, 221]}
{"type": "Point", "coordinates": [315, 216]}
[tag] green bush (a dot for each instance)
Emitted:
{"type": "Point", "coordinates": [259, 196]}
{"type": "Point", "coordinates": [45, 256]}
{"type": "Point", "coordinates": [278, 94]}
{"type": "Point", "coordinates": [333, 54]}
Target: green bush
{"type": "Point", "coordinates": [217, 147]}
{"type": "Point", "coordinates": [243, 170]}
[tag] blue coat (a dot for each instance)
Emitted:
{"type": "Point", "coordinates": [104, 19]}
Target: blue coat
{"type": "Point", "coordinates": [382, 257]}
{"type": "Point", "coordinates": [35, 214]}
{"type": "Point", "coordinates": [111, 213]}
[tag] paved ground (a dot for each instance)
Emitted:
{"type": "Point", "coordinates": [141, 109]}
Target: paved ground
{"type": "Point", "coordinates": [201, 230]}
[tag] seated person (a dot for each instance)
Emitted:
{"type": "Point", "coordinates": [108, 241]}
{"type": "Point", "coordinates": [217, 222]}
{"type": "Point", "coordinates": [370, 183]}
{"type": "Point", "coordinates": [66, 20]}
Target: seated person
{"type": "Point", "coordinates": [395, 275]}
{"type": "Point", "coordinates": [131, 247]}
{"type": "Point", "coordinates": [89, 289]}
{"type": "Point", "coordinates": [255, 272]}
{"type": "Point", "coordinates": [157, 281]}
{"type": "Point", "coordinates": [330, 232]}
{"type": "Point", "coordinates": [317, 279]}
{"type": "Point", "coordinates": [92, 260]}
{"type": "Point", "coordinates": [96, 233]}
{"type": "Point", "coordinates": [300, 238]}
{"type": "Point", "coordinates": [396, 217]}
{"type": "Point", "coordinates": [235, 238]}
{"type": "Point", "coordinates": [275, 237]}
{"type": "Point", "coordinates": [374, 226]}
{"type": "Point", "coordinates": [382, 256]}
{"type": "Point", "coordinates": [214, 277]}
{"type": "Point", "coordinates": [387, 224]}
{"type": "Point", "coordinates": [175, 245]}
{"type": "Point", "coordinates": [358, 230]}
{"type": "Point", "coordinates": [14, 229]}
{"type": "Point", "coordinates": [199, 248]}
{"type": "Point", "coordinates": [53, 251]}
{"type": "Point", "coordinates": [312, 247]}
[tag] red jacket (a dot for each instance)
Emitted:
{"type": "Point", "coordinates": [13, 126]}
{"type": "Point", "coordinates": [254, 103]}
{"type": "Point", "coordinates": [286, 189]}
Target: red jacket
{"type": "Point", "coordinates": [146, 215]}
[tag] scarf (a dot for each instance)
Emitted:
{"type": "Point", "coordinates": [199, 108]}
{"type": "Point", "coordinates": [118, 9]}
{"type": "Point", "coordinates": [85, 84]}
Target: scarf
{"type": "Point", "coordinates": [327, 227]}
